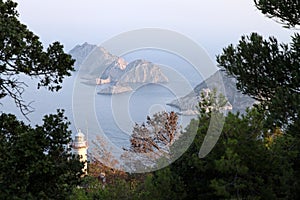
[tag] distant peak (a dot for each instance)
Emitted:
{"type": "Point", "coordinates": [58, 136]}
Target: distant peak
{"type": "Point", "coordinates": [139, 61]}
{"type": "Point", "coordinates": [85, 45]}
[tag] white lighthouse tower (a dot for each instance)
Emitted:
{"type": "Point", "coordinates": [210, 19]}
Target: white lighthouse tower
{"type": "Point", "coordinates": [79, 146]}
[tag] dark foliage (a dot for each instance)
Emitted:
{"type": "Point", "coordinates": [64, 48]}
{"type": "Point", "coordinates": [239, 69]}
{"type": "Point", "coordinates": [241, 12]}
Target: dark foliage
{"type": "Point", "coordinates": [36, 163]}
{"type": "Point", "coordinates": [21, 53]}
{"type": "Point", "coordinates": [287, 11]}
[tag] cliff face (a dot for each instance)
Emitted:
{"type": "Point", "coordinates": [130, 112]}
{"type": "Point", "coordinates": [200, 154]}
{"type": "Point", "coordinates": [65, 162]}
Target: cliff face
{"type": "Point", "coordinates": [115, 70]}
{"type": "Point", "coordinates": [120, 75]}
{"type": "Point", "coordinates": [141, 71]}
{"type": "Point", "coordinates": [100, 67]}
{"type": "Point", "coordinates": [138, 71]}
{"type": "Point", "coordinates": [236, 100]}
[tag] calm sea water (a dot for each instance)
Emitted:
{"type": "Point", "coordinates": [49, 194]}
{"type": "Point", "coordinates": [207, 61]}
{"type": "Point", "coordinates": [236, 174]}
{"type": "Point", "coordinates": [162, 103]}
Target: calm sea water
{"type": "Point", "coordinates": [143, 102]}
{"type": "Point", "coordinates": [114, 114]}
{"type": "Point", "coordinates": [111, 115]}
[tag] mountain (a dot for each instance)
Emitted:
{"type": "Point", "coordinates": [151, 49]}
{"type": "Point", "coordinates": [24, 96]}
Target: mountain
{"type": "Point", "coordinates": [237, 101]}
{"type": "Point", "coordinates": [141, 71]}
{"type": "Point", "coordinates": [114, 74]}
{"type": "Point", "coordinates": [92, 60]}
{"type": "Point", "coordinates": [80, 52]}
{"type": "Point", "coordinates": [122, 77]}
{"type": "Point", "coordinates": [98, 66]}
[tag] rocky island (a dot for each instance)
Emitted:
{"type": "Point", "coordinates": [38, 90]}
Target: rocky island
{"type": "Point", "coordinates": [112, 74]}
{"type": "Point", "coordinates": [237, 101]}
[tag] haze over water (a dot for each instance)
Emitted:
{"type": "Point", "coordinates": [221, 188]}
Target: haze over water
{"type": "Point", "coordinates": [145, 100]}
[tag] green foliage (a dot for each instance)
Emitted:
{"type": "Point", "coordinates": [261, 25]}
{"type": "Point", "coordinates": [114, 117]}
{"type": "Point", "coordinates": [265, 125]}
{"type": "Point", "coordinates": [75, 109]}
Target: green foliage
{"type": "Point", "coordinates": [36, 163]}
{"type": "Point", "coordinates": [121, 189]}
{"type": "Point", "coordinates": [240, 166]}
{"type": "Point", "coordinates": [21, 52]}
{"type": "Point", "coordinates": [163, 184]}
{"type": "Point", "coordinates": [269, 72]}
{"type": "Point", "coordinates": [288, 11]}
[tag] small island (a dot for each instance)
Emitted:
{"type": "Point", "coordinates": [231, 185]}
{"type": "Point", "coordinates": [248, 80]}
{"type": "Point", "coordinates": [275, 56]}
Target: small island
{"type": "Point", "coordinates": [114, 89]}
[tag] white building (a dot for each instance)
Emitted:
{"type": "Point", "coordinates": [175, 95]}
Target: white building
{"type": "Point", "coordinates": [79, 146]}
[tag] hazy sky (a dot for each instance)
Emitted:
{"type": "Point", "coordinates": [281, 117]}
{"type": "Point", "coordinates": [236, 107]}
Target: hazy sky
{"type": "Point", "coordinates": [213, 24]}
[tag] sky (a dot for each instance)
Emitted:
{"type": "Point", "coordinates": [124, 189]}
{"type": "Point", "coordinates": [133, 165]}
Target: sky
{"type": "Point", "coordinates": [213, 24]}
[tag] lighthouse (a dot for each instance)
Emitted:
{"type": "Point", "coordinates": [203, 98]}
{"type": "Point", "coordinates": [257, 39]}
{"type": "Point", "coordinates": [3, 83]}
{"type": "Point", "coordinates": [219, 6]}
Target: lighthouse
{"type": "Point", "coordinates": [79, 146]}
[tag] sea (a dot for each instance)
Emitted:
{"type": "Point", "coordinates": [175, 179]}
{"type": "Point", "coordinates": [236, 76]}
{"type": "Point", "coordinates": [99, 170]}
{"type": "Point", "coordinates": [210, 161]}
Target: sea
{"type": "Point", "coordinates": [111, 116]}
